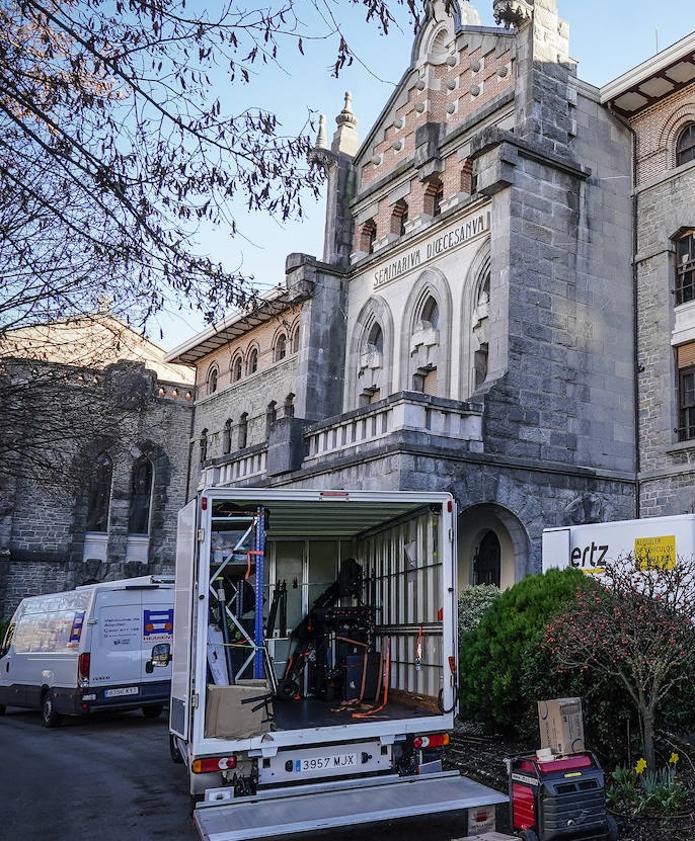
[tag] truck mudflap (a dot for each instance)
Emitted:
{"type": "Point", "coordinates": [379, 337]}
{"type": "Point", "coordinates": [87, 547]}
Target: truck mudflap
{"type": "Point", "coordinates": [335, 804]}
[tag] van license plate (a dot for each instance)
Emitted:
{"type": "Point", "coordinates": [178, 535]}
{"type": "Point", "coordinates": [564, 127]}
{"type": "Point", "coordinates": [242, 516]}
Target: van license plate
{"type": "Point", "coordinates": [324, 763]}
{"type": "Point", "coordinates": [117, 693]}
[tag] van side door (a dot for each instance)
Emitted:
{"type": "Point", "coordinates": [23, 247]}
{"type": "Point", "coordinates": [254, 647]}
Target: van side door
{"type": "Point", "coordinates": [116, 639]}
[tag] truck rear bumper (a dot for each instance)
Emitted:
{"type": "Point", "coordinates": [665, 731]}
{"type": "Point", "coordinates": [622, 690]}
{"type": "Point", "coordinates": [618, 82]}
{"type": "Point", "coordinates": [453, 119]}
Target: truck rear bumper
{"type": "Point", "coordinates": [88, 700]}
{"type": "Point", "coordinates": [338, 804]}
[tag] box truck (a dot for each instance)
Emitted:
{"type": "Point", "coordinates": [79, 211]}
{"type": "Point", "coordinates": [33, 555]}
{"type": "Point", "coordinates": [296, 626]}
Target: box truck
{"type": "Point", "coordinates": [89, 649]}
{"type": "Point", "coordinates": [314, 661]}
{"type": "Point", "coordinates": [656, 541]}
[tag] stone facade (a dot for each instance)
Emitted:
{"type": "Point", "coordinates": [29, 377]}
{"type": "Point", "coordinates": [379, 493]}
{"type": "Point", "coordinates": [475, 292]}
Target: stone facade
{"type": "Point", "coordinates": [657, 101]}
{"type": "Point", "coordinates": [45, 538]}
{"type": "Point", "coordinates": [469, 327]}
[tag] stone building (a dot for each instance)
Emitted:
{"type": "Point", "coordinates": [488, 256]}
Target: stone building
{"type": "Point", "coordinates": [91, 487]}
{"type": "Point", "coordinates": [657, 101]}
{"type": "Point", "coordinates": [468, 325]}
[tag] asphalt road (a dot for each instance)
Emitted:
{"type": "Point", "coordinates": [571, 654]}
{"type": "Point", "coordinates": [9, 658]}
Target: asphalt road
{"type": "Point", "coordinates": [110, 778]}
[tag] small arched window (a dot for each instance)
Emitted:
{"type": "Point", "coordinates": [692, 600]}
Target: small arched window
{"type": "Point", "coordinates": [429, 314]}
{"type": "Point", "coordinates": [685, 268]}
{"type": "Point", "coordinates": [399, 217]}
{"type": "Point", "coordinates": [434, 196]}
{"type": "Point", "coordinates": [271, 415]}
{"type": "Point", "coordinates": [227, 437]}
{"type": "Point", "coordinates": [289, 406]}
{"type": "Point", "coordinates": [243, 430]}
{"type": "Point", "coordinates": [368, 236]}
{"type": "Point", "coordinates": [213, 375]}
{"type": "Point", "coordinates": [236, 369]}
{"type": "Point", "coordinates": [99, 495]}
{"type": "Point", "coordinates": [203, 446]}
{"type": "Point", "coordinates": [252, 362]}
{"type": "Point", "coordinates": [140, 496]}
{"type": "Point", "coordinates": [685, 147]}
{"type": "Point", "coordinates": [280, 347]}
{"type": "Point", "coordinates": [295, 340]}
{"type": "Point", "coordinates": [375, 339]}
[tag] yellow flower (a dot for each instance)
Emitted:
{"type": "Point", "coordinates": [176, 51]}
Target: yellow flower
{"type": "Point", "coordinates": [674, 759]}
{"type": "Point", "coordinates": [641, 767]}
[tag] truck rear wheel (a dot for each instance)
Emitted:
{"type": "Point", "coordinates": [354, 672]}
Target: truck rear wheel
{"type": "Point", "coordinates": [529, 835]}
{"type": "Point", "coordinates": [154, 711]}
{"type": "Point", "coordinates": [49, 716]}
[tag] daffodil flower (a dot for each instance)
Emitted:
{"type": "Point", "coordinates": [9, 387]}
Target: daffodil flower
{"type": "Point", "coordinates": [641, 767]}
{"type": "Point", "coordinates": [674, 759]}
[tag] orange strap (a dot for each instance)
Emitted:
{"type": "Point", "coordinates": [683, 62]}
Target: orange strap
{"type": "Point", "coordinates": [387, 672]}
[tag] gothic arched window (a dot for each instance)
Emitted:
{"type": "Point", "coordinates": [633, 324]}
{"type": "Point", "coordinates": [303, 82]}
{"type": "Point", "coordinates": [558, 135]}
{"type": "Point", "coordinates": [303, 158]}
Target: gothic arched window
{"type": "Point", "coordinates": [280, 347]}
{"type": "Point", "coordinates": [271, 415]}
{"type": "Point", "coordinates": [685, 147]}
{"type": "Point", "coordinates": [371, 365]}
{"type": "Point", "coordinates": [140, 496]}
{"type": "Point", "coordinates": [434, 196]}
{"type": "Point", "coordinates": [236, 369]}
{"type": "Point", "coordinates": [289, 406]}
{"type": "Point", "coordinates": [252, 362]}
{"type": "Point", "coordinates": [399, 217]}
{"type": "Point", "coordinates": [480, 328]}
{"type": "Point", "coordinates": [227, 437]}
{"type": "Point", "coordinates": [368, 236]}
{"type": "Point", "coordinates": [243, 430]}
{"type": "Point", "coordinates": [99, 495]}
{"type": "Point", "coordinates": [424, 346]}
{"type": "Point", "coordinates": [213, 375]}
{"type": "Point", "coordinates": [295, 340]}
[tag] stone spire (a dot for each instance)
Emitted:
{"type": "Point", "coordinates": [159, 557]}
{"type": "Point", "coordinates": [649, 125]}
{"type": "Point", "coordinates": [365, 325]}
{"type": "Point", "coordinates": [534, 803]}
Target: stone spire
{"type": "Point", "coordinates": [321, 138]}
{"type": "Point", "coordinates": [345, 140]}
{"type": "Point", "coordinates": [513, 12]}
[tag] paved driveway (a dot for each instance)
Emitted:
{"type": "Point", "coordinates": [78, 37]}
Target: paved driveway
{"type": "Point", "coordinates": [110, 778]}
{"type": "Point", "coordinates": [102, 779]}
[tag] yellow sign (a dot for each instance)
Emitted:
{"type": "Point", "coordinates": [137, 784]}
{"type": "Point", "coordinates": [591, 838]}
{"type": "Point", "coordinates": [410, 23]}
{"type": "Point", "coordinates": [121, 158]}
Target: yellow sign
{"type": "Point", "coordinates": [656, 552]}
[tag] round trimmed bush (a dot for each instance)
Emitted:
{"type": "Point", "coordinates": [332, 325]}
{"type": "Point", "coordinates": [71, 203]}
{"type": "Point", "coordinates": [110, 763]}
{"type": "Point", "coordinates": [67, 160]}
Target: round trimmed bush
{"type": "Point", "coordinates": [474, 602]}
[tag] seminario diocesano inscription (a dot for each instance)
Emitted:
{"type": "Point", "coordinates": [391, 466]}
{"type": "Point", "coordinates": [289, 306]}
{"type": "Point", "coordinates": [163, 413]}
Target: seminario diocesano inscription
{"type": "Point", "coordinates": [428, 250]}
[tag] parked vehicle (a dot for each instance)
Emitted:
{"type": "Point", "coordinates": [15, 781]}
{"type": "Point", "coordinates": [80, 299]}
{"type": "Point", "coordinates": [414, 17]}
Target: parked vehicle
{"type": "Point", "coordinates": [89, 649]}
{"type": "Point", "coordinates": [314, 661]}
{"type": "Point", "coordinates": [656, 541]}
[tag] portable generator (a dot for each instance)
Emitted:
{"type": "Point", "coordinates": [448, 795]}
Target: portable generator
{"type": "Point", "coordinates": [561, 799]}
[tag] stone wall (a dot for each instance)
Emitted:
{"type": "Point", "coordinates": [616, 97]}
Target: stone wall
{"type": "Point", "coordinates": [44, 522]}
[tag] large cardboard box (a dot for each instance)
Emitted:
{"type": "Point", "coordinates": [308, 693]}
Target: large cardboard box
{"type": "Point", "coordinates": [562, 725]}
{"type": "Point", "coordinates": [240, 711]}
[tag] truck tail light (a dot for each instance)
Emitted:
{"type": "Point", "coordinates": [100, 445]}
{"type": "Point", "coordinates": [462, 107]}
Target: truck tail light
{"type": "Point", "coordinates": [204, 504]}
{"type": "Point", "coordinates": [435, 740]}
{"type": "Point", "coordinates": [83, 663]}
{"type": "Point", "coordinates": [212, 764]}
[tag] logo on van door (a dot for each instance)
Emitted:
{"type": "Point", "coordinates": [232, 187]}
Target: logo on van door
{"type": "Point", "coordinates": [158, 624]}
{"type": "Point", "coordinates": [76, 629]}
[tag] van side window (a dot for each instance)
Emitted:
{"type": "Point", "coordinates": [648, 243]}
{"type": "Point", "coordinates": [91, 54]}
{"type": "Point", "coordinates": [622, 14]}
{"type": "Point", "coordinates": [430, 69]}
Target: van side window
{"type": "Point", "coordinates": [7, 640]}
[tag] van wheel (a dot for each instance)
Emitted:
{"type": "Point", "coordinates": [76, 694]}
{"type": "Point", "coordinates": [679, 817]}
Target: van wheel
{"type": "Point", "coordinates": [529, 835]}
{"type": "Point", "coordinates": [174, 751]}
{"type": "Point", "coordinates": [49, 716]}
{"type": "Point", "coordinates": [153, 712]}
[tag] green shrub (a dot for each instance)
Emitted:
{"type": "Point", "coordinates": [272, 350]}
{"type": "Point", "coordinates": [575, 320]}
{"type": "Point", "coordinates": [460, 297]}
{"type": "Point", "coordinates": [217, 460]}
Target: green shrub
{"type": "Point", "coordinates": [495, 656]}
{"type": "Point", "coordinates": [474, 602]}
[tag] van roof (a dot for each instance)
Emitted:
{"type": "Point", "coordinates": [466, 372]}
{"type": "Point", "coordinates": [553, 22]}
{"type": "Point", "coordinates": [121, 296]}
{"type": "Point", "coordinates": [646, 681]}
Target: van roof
{"type": "Point", "coordinates": [131, 583]}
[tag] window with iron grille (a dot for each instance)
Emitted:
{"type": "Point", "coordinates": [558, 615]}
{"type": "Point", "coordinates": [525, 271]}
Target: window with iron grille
{"type": "Point", "coordinates": [685, 148]}
{"type": "Point", "coordinates": [685, 269]}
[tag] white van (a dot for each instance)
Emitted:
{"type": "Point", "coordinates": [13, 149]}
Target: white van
{"type": "Point", "coordinates": [89, 649]}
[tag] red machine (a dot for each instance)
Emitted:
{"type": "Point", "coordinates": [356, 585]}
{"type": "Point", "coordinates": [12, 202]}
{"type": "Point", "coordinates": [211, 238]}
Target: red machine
{"type": "Point", "coordinates": [562, 799]}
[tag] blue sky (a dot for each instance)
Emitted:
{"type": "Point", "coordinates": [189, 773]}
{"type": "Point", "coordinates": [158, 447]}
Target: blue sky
{"type": "Point", "coordinates": [608, 37]}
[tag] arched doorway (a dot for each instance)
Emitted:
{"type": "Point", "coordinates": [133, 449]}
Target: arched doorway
{"type": "Point", "coordinates": [493, 547]}
{"type": "Point", "coordinates": [487, 560]}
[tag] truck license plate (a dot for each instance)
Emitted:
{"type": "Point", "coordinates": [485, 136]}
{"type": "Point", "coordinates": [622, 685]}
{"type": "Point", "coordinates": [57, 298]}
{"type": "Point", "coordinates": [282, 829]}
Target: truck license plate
{"type": "Point", "coordinates": [323, 763]}
{"type": "Point", "coordinates": [117, 693]}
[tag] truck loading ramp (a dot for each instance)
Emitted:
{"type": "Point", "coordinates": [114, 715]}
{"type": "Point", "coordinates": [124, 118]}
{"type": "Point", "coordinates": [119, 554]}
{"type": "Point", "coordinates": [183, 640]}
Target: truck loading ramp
{"type": "Point", "coordinates": [344, 803]}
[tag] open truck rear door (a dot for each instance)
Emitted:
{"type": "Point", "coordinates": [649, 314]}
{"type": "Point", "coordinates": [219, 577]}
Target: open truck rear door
{"type": "Point", "coordinates": [183, 618]}
{"type": "Point", "coordinates": [340, 804]}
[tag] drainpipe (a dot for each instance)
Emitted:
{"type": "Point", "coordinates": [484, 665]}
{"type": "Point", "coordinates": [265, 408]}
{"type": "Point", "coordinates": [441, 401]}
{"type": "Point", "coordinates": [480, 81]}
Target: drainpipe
{"type": "Point", "coordinates": [635, 330]}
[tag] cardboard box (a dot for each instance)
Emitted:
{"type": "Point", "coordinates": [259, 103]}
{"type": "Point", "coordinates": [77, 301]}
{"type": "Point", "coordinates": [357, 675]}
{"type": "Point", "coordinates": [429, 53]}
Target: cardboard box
{"type": "Point", "coordinates": [240, 711]}
{"type": "Point", "coordinates": [562, 726]}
